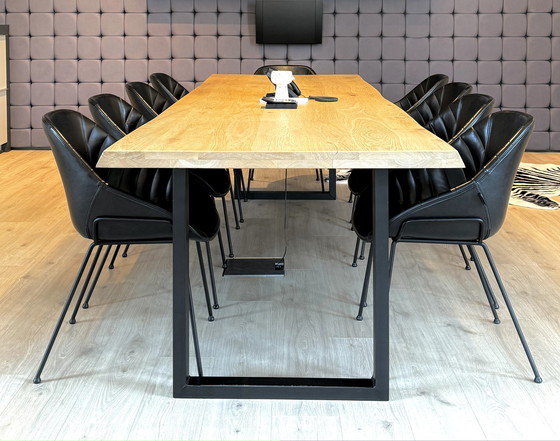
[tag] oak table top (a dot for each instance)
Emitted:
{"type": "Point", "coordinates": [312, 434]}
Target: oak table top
{"type": "Point", "coordinates": [222, 124]}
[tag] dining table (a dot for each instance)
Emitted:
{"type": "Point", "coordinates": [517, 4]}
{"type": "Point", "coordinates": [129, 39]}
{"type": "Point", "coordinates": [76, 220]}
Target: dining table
{"type": "Point", "coordinates": [223, 123]}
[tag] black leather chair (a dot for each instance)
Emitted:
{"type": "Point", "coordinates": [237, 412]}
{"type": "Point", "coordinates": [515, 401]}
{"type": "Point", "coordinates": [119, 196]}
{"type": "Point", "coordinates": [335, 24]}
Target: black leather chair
{"type": "Point", "coordinates": [420, 92]}
{"type": "Point", "coordinates": [168, 87]}
{"type": "Point", "coordinates": [438, 101]}
{"type": "Point", "coordinates": [116, 206]}
{"type": "Point", "coordinates": [296, 69]}
{"type": "Point", "coordinates": [119, 118]}
{"type": "Point", "coordinates": [461, 206]}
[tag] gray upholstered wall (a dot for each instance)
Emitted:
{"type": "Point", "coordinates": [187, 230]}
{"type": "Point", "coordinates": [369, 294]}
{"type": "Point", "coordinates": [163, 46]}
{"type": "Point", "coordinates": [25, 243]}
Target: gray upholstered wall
{"type": "Point", "coordinates": [63, 51]}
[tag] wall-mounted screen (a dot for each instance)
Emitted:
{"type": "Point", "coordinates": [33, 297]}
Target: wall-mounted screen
{"type": "Point", "coordinates": [289, 21]}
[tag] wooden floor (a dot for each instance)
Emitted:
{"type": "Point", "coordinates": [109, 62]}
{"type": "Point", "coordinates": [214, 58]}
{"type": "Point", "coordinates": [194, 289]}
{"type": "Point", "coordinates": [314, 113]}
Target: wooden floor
{"type": "Point", "coordinates": [454, 374]}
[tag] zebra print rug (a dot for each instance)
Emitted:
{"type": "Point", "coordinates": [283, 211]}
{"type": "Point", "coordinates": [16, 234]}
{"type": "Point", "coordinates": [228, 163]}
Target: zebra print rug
{"type": "Point", "coordinates": [535, 184]}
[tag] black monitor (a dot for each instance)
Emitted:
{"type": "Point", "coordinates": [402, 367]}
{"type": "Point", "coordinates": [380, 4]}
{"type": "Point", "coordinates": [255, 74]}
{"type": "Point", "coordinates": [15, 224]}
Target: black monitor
{"type": "Point", "coordinates": [289, 21]}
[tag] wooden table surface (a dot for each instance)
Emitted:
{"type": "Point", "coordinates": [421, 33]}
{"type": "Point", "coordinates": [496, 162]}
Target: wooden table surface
{"type": "Point", "coordinates": [221, 124]}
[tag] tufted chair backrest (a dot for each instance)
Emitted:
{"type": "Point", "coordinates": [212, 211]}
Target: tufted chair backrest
{"type": "Point", "coordinates": [296, 69]}
{"type": "Point", "coordinates": [145, 99]}
{"type": "Point", "coordinates": [438, 101]}
{"type": "Point", "coordinates": [168, 87]}
{"type": "Point", "coordinates": [115, 115]}
{"type": "Point", "coordinates": [422, 91]}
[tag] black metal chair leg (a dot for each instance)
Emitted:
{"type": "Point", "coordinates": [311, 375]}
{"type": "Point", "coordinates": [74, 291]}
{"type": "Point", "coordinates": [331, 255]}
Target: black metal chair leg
{"type": "Point", "coordinates": [86, 284]}
{"type": "Point", "coordinates": [212, 278]}
{"type": "Point", "coordinates": [112, 263]}
{"type": "Point", "coordinates": [485, 284]}
{"type": "Point", "coordinates": [363, 298]}
{"type": "Point", "coordinates": [195, 334]}
{"type": "Point", "coordinates": [100, 267]}
{"type": "Point", "coordinates": [37, 378]}
{"type": "Point", "coordinates": [242, 182]}
{"type": "Point", "coordinates": [125, 252]}
{"type": "Point", "coordinates": [232, 195]}
{"type": "Point", "coordinates": [538, 378]}
{"type": "Point", "coordinates": [316, 174]}
{"type": "Point", "coordinates": [350, 200]}
{"type": "Point", "coordinates": [323, 181]}
{"type": "Point", "coordinates": [238, 180]}
{"type": "Point", "coordinates": [355, 260]}
{"type": "Point", "coordinates": [362, 256]}
{"type": "Point", "coordinates": [222, 252]}
{"type": "Point", "coordinates": [228, 232]}
{"type": "Point", "coordinates": [352, 212]}
{"type": "Point", "coordinates": [204, 282]}
{"type": "Point", "coordinates": [465, 258]}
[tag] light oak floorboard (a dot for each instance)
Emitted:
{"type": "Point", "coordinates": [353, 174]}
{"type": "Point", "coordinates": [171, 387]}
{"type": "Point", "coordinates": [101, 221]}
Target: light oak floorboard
{"type": "Point", "coordinates": [454, 374]}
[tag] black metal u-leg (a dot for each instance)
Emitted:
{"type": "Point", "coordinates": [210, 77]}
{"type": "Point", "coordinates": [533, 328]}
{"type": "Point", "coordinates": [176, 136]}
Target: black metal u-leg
{"type": "Point", "coordinates": [204, 282]}
{"type": "Point", "coordinates": [96, 278]}
{"type": "Point", "coordinates": [228, 232]}
{"type": "Point", "coordinates": [485, 284]}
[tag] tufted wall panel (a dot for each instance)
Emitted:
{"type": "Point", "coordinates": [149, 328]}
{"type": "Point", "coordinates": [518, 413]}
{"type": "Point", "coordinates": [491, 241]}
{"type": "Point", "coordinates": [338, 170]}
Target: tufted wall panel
{"type": "Point", "coordinates": [63, 51]}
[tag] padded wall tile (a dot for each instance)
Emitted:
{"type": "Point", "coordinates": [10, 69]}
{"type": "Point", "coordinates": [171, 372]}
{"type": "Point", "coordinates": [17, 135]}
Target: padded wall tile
{"type": "Point", "coordinates": [441, 48]}
{"type": "Point", "coordinates": [393, 48]}
{"type": "Point", "coordinates": [20, 117]}
{"type": "Point", "coordinates": [416, 71]}
{"type": "Point", "coordinates": [20, 48]}
{"type": "Point", "coordinates": [227, 5]}
{"type": "Point", "coordinates": [346, 25]}
{"type": "Point", "coordinates": [41, 5]}
{"type": "Point", "coordinates": [276, 51]}
{"type": "Point", "coordinates": [205, 5]}
{"type": "Point", "coordinates": [66, 71]}
{"type": "Point", "coordinates": [65, 6]}
{"type": "Point", "coordinates": [65, 94]}
{"type": "Point", "coordinates": [41, 24]}
{"type": "Point", "coordinates": [159, 48]}
{"type": "Point", "coordinates": [229, 23]}
{"type": "Point", "coordinates": [65, 23]}
{"type": "Point", "coordinates": [135, 70]}
{"type": "Point", "coordinates": [490, 25]}
{"type": "Point", "coordinates": [205, 46]}
{"type": "Point", "coordinates": [489, 72]}
{"type": "Point", "coordinates": [249, 5]}
{"type": "Point", "coordinates": [392, 71]}
{"type": "Point", "coordinates": [417, 49]}
{"type": "Point", "coordinates": [89, 48]}
{"type": "Point", "coordinates": [417, 6]}
{"type": "Point", "coordinates": [442, 6]}
{"type": "Point", "coordinates": [205, 24]}
{"type": "Point", "coordinates": [514, 25]}
{"type": "Point", "coordinates": [370, 6]}
{"type": "Point", "coordinates": [516, 6]}
{"type": "Point", "coordinates": [159, 66]}
{"type": "Point", "coordinates": [555, 95]}
{"type": "Point", "coordinates": [540, 5]}
{"type": "Point", "coordinates": [135, 6]}
{"type": "Point", "coordinates": [538, 95]}
{"type": "Point", "coordinates": [542, 118]}
{"type": "Point", "coordinates": [89, 71]}
{"type": "Point", "coordinates": [465, 25]}
{"type": "Point", "coordinates": [182, 23]}
{"type": "Point", "coordinates": [325, 67]}
{"type": "Point", "coordinates": [37, 113]}
{"type": "Point", "coordinates": [328, 25]}
{"type": "Point", "coordinates": [370, 70]}
{"type": "Point", "coordinates": [538, 72]}
{"type": "Point", "coordinates": [42, 94]}
{"type": "Point", "coordinates": [88, 5]}
{"type": "Point", "coordinates": [112, 5]}
{"type": "Point", "coordinates": [20, 71]}
{"type": "Point", "coordinates": [203, 68]}
{"type": "Point", "coordinates": [113, 24]}
{"type": "Point", "coordinates": [229, 66]}
{"type": "Point", "coordinates": [112, 48]}
{"type": "Point", "coordinates": [299, 53]}
{"type": "Point", "coordinates": [394, 6]}
{"type": "Point", "coordinates": [369, 48]}
{"type": "Point", "coordinates": [182, 46]}
{"type": "Point", "coordinates": [65, 47]}
{"type": "Point", "coordinates": [182, 69]}
{"type": "Point", "coordinates": [136, 48]}
{"type": "Point", "coordinates": [513, 95]}
{"type": "Point", "coordinates": [555, 72]}
{"type": "Point", "coordinates": [370, 25]}
{"type": "Point", "coordinates": [514, 72]}
{"type": "Point", "coordinates": [417, 25]}
{"type": "Point", "coordinates": [514, 48]}
{"type": "Point", "coordinates": [444, 67]}
{"type": "Point", "coordinates": [117, 89]}
{"type": "Point", "coordinates": [441, 25]}
{"type": "Point", "coordinates": [112, 71]}
{"type": "Point", "coordinates": [539, 48]}
{"type": "Point", "coordinates": [42, 71]}
{"type": "Point", "coordinates": [249, 48]}
{"type": "Point", "coordinates": [136, 24]}
{"type": "Point", "coordinates": [465, 48]}
{"type": "Point", "coordinates": [346, 48]}
{"type": "Point", "coordinates": [346, 67]}
{"type": "Point", "coordinates": [248, 65]}
{"type": "Point", "coordinates": [494, 90]}
{"type": "Point", "coordinates": [159, 25]}
{"type": "Point", "coordinates": [466, 6]}
{"type": "Point", "coordinates": [42, 48]}
{"type": "Point", "coordinates": [490, 6]}
{"type": "Point", "coordinates": [248, 26]}
{"type": "Point", "coordinates": [21, 138]}
{"type": "Point", "coordinates": [393, 25]}
{"type": "Point", "coordinates": [323, 51]}
{"type": "Point", "coordinates": [555, 25]}
{"type": "Point", "coordinates": [540, 141]}
{"type": "Point", "coordinates": [555, 120]}
{"type": "Point", "coordinates": [489, 48]}
{"type": "Point", "coordinates": [38, 138]}
{"type": "Point", "coordinates": [555, 141]}
{"type": "Point", "coordinates": [158, 5]}
{"type": "Point", "coordinates": [539, 25]}
{"type": "Point", "coordinates": [19, 23]}
{"type": "Point", "coordinates": [17, 5]}
{"type": "Point", "coordinates": [347, 7]}
{"type": "Point", "coordinates": [466, 71]}
{"type": "Point", "coordinates": [89, 24]}
{"type": "Point", "coordinates": [20, 94]}
{"type": "Point", "coordinates": [392, 92]}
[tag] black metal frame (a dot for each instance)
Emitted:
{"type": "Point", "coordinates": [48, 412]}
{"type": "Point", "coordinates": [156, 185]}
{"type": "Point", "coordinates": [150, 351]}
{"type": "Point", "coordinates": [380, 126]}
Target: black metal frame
{"type": "Point", "coordinates": [366, 389]}
{"type": "Point", "coordinates": [294, 195]}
